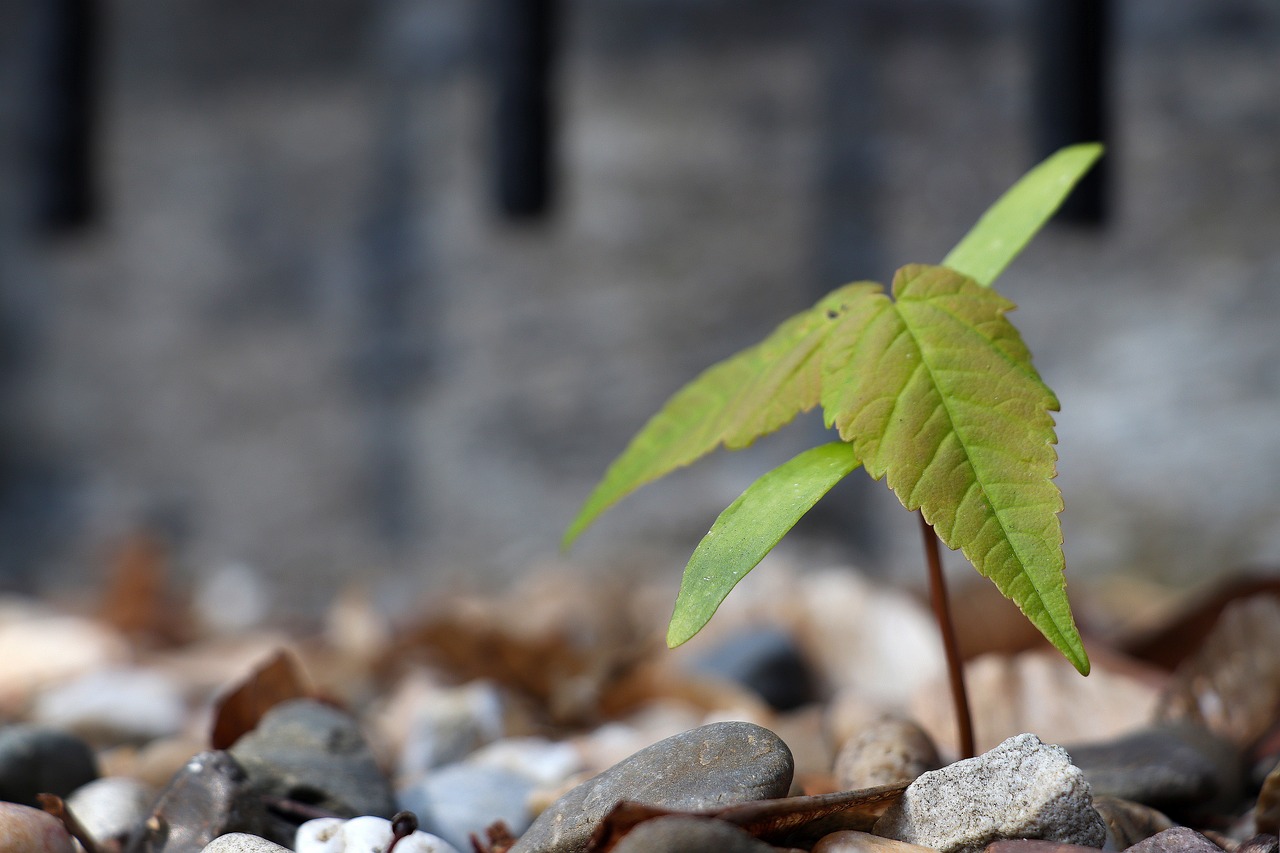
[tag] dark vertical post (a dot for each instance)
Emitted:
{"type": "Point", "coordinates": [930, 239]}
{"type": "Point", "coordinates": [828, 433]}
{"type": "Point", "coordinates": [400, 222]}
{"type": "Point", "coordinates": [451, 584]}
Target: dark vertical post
{"type": "Point", "coordinates": [65, 195]}
{"type": "Point", "coordinates": [523, 60]}
{"type": "Point", "coordinates": [1071, 100]}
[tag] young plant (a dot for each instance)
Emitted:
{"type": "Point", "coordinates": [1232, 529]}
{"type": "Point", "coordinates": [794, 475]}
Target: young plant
{"type": "Point", "coordinates": [932, 390]}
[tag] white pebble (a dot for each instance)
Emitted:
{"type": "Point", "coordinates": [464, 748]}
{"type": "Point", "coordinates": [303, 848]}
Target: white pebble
{"type": "Point", "coordinates": [366, 834]}
{"type": "Point", "coordinates": [242, 842]}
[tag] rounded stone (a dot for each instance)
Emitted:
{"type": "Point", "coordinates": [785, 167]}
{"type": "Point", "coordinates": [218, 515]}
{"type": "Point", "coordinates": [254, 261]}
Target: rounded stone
{"type": "Point", "coordinates": [456, 801]}
{"type": "Point", "coordinates": [242, 842]}
{"type": "Point", "coordinates": [41, 760]}
{"type": "Point", "coordinates": [713, 766]}
{"type": "Point", "coordinates": [685, 834]}
{"type": "Point", "coordinates": [315, 754]}
{"type": "Point", "coordinates": [109, 808]}
{"type": "Point", "coordinates": [1021, 789]}
{"type": "Point", "coordinates": [27, 830]}
{"type": "Point", "coordinates": [887, 751]}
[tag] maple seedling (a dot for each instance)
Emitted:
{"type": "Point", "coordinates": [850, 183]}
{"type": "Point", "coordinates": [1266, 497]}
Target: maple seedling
{"type": "Point", "coordinates": [929, 388]}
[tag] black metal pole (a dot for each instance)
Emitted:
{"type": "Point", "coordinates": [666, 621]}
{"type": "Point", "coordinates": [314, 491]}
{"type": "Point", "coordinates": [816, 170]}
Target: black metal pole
{"type": "Point", "coordinates": [523, 59]}
{"type": "Point", "coordinates": [1071, 100]}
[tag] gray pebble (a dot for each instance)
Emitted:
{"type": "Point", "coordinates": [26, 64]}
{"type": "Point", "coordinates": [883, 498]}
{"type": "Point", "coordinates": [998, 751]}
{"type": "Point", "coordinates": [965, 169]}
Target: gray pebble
{"type": "Point", "coordinates": [242, 842]}
{"type": "Point", "coordinates": [110, 808]}
{"type": "Point", "coordinates": [765, 660]}
{"type": "Point", "coordinates": [719, 765]}
{"type": "Point", "coordinates": [887, 751]}
{"type": "Point", "coordinates": [1021, 789]}
{"type": "Point", "coordinates": [684, 834]}
{"type": "Point", "coordinates": [208, 797]}
{"type": "Point", "coordinates": [40, 760]}
{"type": "Point", "coordinates": [312, 753]}
{"type": "Point", "coordinates": [462, 799]}
{"type": "Point", "coordinates": [1181, 769]}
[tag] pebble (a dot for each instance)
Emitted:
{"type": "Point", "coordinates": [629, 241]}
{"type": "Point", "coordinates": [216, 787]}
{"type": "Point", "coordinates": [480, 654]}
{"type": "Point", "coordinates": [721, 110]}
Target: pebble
{"type": "Point", "coordinates": [878, 641]}
{"type": "Point", "coordinates": [767, 661]}
{"type": "Point", "coordinates": [311, 752]}
{"type": "Point", "coordinates": [852, 841]}
{"type": "Point", "coordinates": [43, 649]}
{"type": "Point", "coordinates": [1179, 839]}
{"type": "Point", "coordinates": [115, 705]}
{"type": "Point", "coordinates": [27, 830]}
{"type": "Point", "coordinates": [242, 842]}
{"type": "Point", "coordinates": [363, 835]}
{"type": "Point", "coordinates": [1021, 789]}
{"type": "Point", "coordinates": [544, 761]}
{"type": "Point", "coordinates": [208, 797]}
{"type": "Point", "coordinates": [1181, 769]}
{"type": "Point", "coordinates": [40, 760]}
{"type": "Point", "coordinates": [687, 834]}
{"type": "Point", "coordinates": [109, 808]}
{"type": "Point", "coordinates": [448, 724]}
{"type": "Point", "coordinates": [462, 799]}
{"type": "Point", "coordinates": [889, 750]}
{"type": "Point", "coordinates": [717, 765]}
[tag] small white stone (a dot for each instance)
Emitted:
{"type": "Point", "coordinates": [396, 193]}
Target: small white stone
{"type": "Point", "coordinates": [242, 842]}
{"type": "Point", "coordinates": [366, 834]}
{"type": "Point", "coordinates": [123, 702]}
{"type": "Point", "coordinates": [110, 807]}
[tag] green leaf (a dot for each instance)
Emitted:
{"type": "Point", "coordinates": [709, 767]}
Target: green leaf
{"type": "Point", "coordinates": [936, 391]}
{"type": "Point", "coordinates": [747, 531]}
{"type": "Point", "coordinates": [1010, 223]}
{"type": "Point", "coordinates": [732, 403]}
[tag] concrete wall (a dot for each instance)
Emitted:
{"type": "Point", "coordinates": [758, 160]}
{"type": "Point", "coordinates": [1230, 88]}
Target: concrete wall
{"type": "Point", "coordinates": [299, 336]}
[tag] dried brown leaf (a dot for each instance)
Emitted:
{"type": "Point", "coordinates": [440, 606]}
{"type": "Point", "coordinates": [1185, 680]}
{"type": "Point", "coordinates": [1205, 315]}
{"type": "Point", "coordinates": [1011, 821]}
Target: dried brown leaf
{"type": "Point", "coordinates": [278, 679]}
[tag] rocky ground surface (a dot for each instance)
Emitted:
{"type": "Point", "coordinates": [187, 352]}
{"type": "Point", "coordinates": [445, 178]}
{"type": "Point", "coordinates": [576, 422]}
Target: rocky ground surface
{"type": "Point", "coordinates": [813, 714]}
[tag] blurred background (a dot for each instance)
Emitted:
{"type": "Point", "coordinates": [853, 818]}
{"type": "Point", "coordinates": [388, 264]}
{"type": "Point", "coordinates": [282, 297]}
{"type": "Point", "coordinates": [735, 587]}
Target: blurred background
{"type": "Point", "coordinates": [311, 290]}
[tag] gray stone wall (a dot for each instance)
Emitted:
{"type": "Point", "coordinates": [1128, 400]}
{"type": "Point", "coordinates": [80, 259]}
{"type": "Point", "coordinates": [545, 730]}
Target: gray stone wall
{"type": "Point", "coordinates": [300, 337]}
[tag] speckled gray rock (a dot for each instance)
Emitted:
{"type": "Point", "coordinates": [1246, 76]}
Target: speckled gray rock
{"type": "Point", "coordinates": [41, 760]}
{"type": "Point", "coordinates": [718, 765]}
{"type": "Point", "coordinates": [887, 751]}
{"type": "Point", "coordinates": [208, 797]}
{"type": "Point", "coordinates": [242, 842]}
{"type": "Point", "coordinates": [1021, 789]}
{"type": "Point", "coordinates": [1179, 839]}
{"type": "Point", "coordinates": [311, 752]}
{"type": "Point", "coordinates": [682, 834]}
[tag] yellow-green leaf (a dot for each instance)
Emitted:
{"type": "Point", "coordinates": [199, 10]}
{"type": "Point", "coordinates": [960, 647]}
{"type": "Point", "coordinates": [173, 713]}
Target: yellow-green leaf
{"type": "Point", "coordinates": [1010, 223]}
{"type": "Point", "coordinates": [732, 403]}
{"type": "Point", "coordinates": [750, 527]}
{"type": "Point", "coordinates": [935, 390]}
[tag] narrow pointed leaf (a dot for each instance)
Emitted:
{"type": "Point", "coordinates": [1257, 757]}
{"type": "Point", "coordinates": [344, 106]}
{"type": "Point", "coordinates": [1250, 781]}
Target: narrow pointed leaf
{"type": "Point", "coordinates": [1010, 223]}
{"type": "Point", "coordinates": [936, 391]}
{"type": "Point", "coordinates": [732, 403]}
{"type": "Point", "coordinates": [747, 531]}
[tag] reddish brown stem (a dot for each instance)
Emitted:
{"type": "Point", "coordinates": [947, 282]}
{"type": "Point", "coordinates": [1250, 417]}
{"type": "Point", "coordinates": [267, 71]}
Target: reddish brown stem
{"type": "Point", "coordinates": [942, 612]}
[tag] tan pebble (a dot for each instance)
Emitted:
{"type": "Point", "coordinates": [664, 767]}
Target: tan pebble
{"type": "Point", "coordinates": [27, 830]}
{"type": "Point", "coordinates": [886, 751]}
{"type": "Point", "coordinates": [851, 841]}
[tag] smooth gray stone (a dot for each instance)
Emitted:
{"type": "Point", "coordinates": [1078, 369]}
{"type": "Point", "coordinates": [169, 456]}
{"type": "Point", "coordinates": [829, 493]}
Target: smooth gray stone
{"type": "Point", "coordinates": [208, 797]}
{"type": "Point", "coordinates": [1179, 769]}
{"type": "Point", "coordinates": [766, 660]}
{"type": "Point", "coordinates": [110, 808]}
{"type": "Point", "coordinates": [713, 766]}
{"type": "Point", "coordinates": [456, 801]}
{"type": "Point", "coordinates": [681, 834]}
{"type": "Point", "coordinates": [1021, 789]}
{"type": "Point", "coordinates": [40, 760]}
{"type": "Point", "coordinates": [312, 753]}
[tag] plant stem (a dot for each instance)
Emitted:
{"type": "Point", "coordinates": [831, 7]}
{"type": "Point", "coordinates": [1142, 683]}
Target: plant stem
{"type": "Point", "coordinates": [942, 612]}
